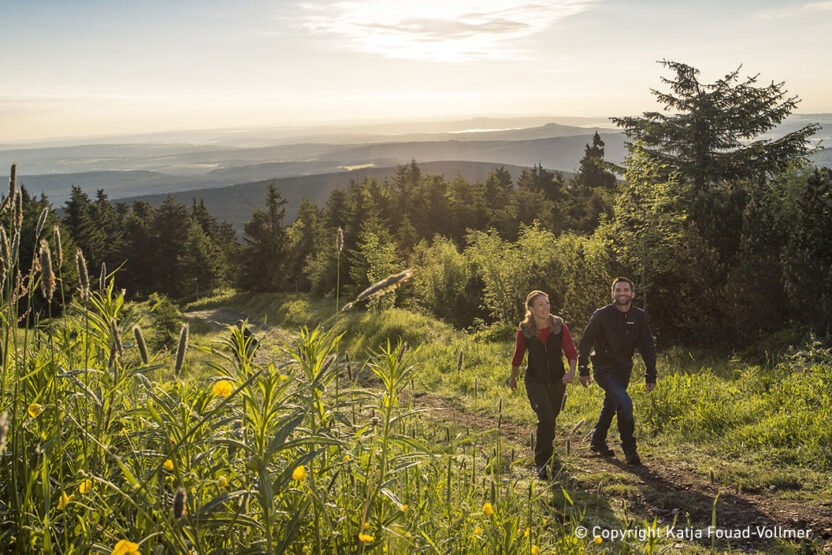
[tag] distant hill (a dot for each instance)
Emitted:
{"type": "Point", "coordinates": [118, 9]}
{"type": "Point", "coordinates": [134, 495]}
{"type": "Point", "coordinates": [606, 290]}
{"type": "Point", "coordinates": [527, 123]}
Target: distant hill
{"type": "Point", "coordinates": [234, 166]}
{"type": "Point", "coordinates": [235, 204]}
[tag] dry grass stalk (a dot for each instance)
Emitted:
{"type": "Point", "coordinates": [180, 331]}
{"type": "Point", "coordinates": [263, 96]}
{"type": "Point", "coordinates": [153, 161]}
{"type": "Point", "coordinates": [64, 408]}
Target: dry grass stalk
{"type": "Point", "coordinates": [381, 288]}
{"type": "Point", "coordinates": [140, 343]}
{"type": "Point", "coordinates": [180, 350]}
{"type": "Point", "coordinates": [179, 499]}
{"type": "Point", "coordinates": [47, 277]}
{"type": "Point", "coordinates": [83, 276]}
{"type": "Point", "coordinates": [339, 240]}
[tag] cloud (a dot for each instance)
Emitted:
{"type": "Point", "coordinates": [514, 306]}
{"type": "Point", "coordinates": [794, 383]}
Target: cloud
{"type": "Point", "coordinates": [805, 9]}
{"type": "Point", "coordinates": [438, 30]}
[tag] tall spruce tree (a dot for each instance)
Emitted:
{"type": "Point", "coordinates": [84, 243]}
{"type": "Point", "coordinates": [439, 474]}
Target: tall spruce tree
{"type": "Point", "coordinates": [263, 255]}
{"type": "Point", "coordinates": [713, 132]}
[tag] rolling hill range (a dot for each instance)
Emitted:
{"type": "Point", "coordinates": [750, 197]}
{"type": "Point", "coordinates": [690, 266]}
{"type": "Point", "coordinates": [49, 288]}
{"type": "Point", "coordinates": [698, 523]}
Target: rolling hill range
{"type": "Point", "coordinates": [234, 166]}
{"type": "Point", "coordinates": [236, 203]}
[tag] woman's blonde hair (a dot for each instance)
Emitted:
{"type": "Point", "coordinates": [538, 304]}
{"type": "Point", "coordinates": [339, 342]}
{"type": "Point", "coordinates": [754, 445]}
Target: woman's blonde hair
{"type": "Point", "coordinates": [528, 320]}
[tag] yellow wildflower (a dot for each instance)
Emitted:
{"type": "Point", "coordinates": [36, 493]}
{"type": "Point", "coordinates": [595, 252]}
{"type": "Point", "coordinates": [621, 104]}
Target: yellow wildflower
{"type": "Point", "coordinates": [65, 500]}
{"type": "Point", "coordinates": [124, 547]}
{"type": "Point", "coordinates": [535, 550]}
{"type": "Point", "coordinates": [85, 487]}
{"type": "Point", "coordinates": [347, 457]}
{"type": "Point", "coordinates": [305, 548]}
{"type": "Point", "coordinates": [598, 539]}
{"type": "Point", "coordinates": [34, 410]}
{"type": "Point", "coordinates": [526, 533]}
{"type": "Point", "coordinates": [403, 508]}
{"type": "Point", "coordinates": [545, 521]}
{"type": "Point", "coordinates": [222, 388]}
{"type": "Point", "coordinates": [365, 525]}
{"type": "Point", "coordinates": [366, 538]}
{"type": "Point", "coordinates": [477, 530]}
{"type": "Point", "coordinates": [168, 465]}
{"type": "Point", "coordinates": [299, 474]}
{"type": "Point", "coordinates": [488, 509]}
{"type": "Point", "coordinates": [222, 482]}
{"type": "Point", "coordinates": [408, 535]}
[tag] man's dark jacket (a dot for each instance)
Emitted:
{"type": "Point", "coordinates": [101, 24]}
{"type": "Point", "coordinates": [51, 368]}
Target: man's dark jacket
{"type": "Point", "coordinates": [615, 336]}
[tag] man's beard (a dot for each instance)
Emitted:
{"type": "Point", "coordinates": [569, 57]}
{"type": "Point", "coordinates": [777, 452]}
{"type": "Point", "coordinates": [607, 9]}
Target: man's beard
{"type": "Point", "coordinates": [621, 302]}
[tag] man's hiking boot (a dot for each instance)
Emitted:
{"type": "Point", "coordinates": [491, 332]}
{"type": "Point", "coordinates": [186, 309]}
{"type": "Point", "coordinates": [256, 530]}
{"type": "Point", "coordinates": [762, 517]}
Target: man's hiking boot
{"type": "Point", "coordinates": [633, 459]}
{"type": "Point", "coordinates": [601, 449]}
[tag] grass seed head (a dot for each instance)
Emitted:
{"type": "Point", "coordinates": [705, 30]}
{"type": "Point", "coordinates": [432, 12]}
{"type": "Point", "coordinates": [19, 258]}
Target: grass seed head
{"type": "Point", "coordinates": [7, 253]}
{"type": "Point", "coordinates": [339, 240]}
{"type": "Point", "coordinates": [83, 276]}
{"type": "Point", "coordinates": [4, 430]}
{"type": "Point", "coordinates": [19, 215]}
{"type": "Point", "coordinates": [180, 350]}
{"type": "Point", "coordinates": [140, 343]}
{"type": "Point", "coordinates": [102, 278]}
{"type": "Point", "coordinates": [117, 337]}
{"type": "Point", "coordinates": [12, 184]}
{"type": "Point", "coordinates": [41, 221]}
{"type": "Point", "coordinates": [179, 499]}
{"type": "Point", "coordinates": [47, 277]}
{"type": "Point", "coordinates": [59, 251]}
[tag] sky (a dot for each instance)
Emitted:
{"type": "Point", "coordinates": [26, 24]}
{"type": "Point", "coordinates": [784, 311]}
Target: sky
{"type": "Point", "coordinates": [99, 67]}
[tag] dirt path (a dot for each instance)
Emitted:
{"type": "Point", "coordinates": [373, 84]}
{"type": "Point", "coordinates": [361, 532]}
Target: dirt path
{"type": "Point", "coordinates": [265, 334]}
{"type": "Point", "coordinates": [664, 487]}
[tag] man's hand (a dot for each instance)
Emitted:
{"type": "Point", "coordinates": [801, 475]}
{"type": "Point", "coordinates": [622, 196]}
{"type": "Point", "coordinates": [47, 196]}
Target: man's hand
{"type": "Point", "coordinates": [585, 380]}
{"type": "Point", "coordinates": [569, 377]}
{"type": "Point", "coordinates": [650, 387]}
{"type": "Point", "coordinates": [512, 382]}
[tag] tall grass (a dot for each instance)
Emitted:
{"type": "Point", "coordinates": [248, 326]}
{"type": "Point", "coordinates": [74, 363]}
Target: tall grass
{"type": "Point", "coordinates": [106, 452]}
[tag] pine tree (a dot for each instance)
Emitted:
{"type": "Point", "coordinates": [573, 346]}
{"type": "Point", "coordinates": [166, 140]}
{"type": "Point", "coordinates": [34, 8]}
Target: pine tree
{"type": "Point", "coordinates": [263, 255]}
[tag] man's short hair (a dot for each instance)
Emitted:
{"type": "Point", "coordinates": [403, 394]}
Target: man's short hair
{"type": "Point", "coordinates": [620, 279]}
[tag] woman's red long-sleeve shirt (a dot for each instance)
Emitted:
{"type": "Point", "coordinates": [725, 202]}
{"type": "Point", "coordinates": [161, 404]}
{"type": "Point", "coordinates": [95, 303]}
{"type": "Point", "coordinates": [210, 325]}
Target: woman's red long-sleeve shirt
{"type": "Point", "coordinates": [566, 342]}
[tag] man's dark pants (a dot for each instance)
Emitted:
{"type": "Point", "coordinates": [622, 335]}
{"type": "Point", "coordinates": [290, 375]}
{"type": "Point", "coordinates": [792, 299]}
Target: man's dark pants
{"type": "Point", "coordinates": [616, 401]}
{"type": "Point", "coordinates": [546, 400]}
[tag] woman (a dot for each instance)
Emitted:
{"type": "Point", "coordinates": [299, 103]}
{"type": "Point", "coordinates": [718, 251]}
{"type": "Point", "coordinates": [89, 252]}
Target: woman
{"type": "Point", "coordinates": [547, 339]}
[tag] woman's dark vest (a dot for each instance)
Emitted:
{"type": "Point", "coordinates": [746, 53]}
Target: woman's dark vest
{"type": "Point", "coordinates": [545, 360]}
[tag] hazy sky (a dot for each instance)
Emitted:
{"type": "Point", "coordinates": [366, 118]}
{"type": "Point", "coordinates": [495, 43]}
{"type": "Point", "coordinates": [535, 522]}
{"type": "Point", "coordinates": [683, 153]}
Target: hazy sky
{"type": "Point", "coordinates": [113, 67]}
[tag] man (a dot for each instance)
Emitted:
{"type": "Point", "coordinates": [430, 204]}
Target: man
{"type": "Point", "coordinates": [615, 331]}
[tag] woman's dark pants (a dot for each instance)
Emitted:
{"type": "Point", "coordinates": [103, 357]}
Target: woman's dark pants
{"type": "Point", "coordinates": [616, 401]}
{"type": "Point", "coordinates": [546, 400]}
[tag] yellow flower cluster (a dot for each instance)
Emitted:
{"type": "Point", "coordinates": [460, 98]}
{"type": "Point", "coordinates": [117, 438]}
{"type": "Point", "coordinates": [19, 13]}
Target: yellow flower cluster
{"type": "Point", "coordinates": [124, 547]}
{"type": "Point", "coordinates": [222, 388]}
{"type": "Point", "coordinates": [487, 509]}
{"type": "Point", "coordinates": [535, 550]}
{"type": "Point", "coordinates": [34, 410]}
{"type": "Point", "coordinates": [85, 487]}
{"type": "Point", "coordinates": [299, 474]}
{"type": "Point", "coordinates": [366, 538]}
{"type": "Point", "coordinates": [65, 500]}
{"type": "Point", "coordinates": [168, 465]}
{"type": "Point", "coordinates": [477, 530]}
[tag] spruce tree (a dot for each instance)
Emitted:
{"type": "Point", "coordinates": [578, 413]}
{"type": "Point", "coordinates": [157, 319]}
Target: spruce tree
{"type": "Point", "coordinates": [263, 255]}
